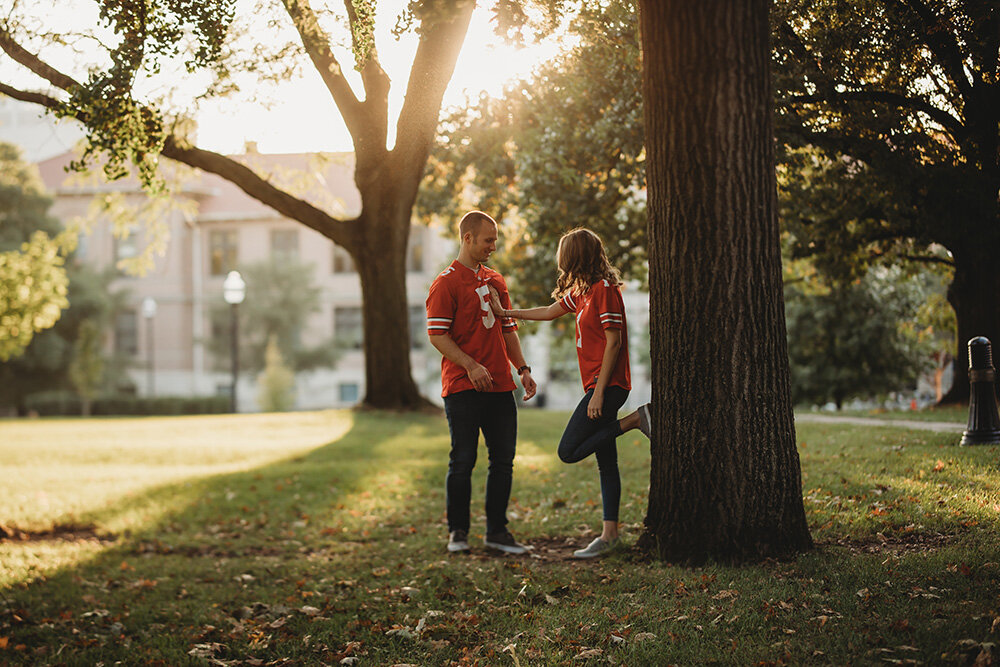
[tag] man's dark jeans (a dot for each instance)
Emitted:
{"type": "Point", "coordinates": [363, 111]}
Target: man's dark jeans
{"type": "Point", "coordinates": [495, 414]}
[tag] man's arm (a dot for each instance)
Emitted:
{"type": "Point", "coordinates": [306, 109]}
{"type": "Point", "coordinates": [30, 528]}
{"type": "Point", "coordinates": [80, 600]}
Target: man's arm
{"type": "Point", "coordinates": [478, 375]}
{"type": "Point", "coordinates": [516, 357]}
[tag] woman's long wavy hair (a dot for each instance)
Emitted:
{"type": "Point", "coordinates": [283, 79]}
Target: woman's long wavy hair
{"type": "Point", "coordinates": [582, 262]}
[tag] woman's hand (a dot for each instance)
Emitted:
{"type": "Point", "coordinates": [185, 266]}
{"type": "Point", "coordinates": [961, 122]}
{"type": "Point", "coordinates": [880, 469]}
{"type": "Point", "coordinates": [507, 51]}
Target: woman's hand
{"type": "Point", "coordinates": [498, 310]}
{"type": "Point", "coordinates": [596, 405]}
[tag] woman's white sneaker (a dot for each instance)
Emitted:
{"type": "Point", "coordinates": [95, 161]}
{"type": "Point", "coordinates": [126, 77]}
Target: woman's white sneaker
{"type": "Point", "coordinates": [596, 548]}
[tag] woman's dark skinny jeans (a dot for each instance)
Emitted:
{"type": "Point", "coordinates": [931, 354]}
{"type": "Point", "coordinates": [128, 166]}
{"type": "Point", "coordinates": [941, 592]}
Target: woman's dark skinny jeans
{"type": "Point", "coordinates": [585, 436]}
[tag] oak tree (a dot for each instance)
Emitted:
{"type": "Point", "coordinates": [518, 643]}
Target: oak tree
{"type": "Point", "coordinates": [725, 481]}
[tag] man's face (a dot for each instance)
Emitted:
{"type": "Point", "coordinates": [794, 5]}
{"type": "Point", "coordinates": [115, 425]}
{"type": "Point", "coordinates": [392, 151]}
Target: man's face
{"type": "Point", "coordinates": [484, 242]}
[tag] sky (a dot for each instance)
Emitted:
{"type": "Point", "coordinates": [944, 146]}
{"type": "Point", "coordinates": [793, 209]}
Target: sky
{"type": "Point", "coordinates": [302, 117]}
{"type": "Point", "coordinates": [305, 119]}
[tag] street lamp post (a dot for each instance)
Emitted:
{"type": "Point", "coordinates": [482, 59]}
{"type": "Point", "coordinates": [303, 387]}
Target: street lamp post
{"type": "Point", "coordinates": [234, 290]}
{"type": "Point", "coordinates": [148, 313]}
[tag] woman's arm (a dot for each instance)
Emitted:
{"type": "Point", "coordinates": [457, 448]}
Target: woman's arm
{"type": "Point", "coordinates": [539, 314]}
{"type": "Point", "coordinates": [612, 346]}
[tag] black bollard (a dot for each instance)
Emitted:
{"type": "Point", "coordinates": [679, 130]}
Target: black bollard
{"type": "Point", "coordinates": [984, 423]}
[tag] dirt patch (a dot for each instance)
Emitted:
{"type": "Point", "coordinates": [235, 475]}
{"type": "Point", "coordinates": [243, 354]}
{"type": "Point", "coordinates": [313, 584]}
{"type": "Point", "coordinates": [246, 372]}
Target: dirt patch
{"type": "Point", "coordinates": [895, 543]}
{"type": "Point", "coordinates": [60, 533]}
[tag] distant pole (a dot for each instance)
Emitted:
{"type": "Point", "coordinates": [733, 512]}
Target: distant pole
{"type": "Point", "coordinates": [148, 313]}
{"type": "Point", "coordinates": [234, 290]}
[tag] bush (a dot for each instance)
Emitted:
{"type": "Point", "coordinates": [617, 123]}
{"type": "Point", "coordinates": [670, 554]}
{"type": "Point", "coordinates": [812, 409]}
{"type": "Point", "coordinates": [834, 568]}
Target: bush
{"type": "Point", "coordinates": [62, 404]}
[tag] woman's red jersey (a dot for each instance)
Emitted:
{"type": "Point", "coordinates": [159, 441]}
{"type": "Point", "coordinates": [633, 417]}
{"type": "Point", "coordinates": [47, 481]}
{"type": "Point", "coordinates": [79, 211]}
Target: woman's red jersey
{"type": "Point", "coordinates": [600, 309]}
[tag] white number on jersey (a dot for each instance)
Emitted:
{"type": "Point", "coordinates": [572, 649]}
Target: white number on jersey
{"type": "Point", "coordinates": [489, 319]}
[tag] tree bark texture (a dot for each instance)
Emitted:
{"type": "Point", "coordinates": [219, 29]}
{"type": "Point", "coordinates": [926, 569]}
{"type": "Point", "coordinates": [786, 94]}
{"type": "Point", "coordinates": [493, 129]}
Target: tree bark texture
{"type": "Point", "coordinates": [974, 293]}
{"type": "Point", "coordinates": [725, 482]}
{"type": "Point", "coordinates": [380, 257]}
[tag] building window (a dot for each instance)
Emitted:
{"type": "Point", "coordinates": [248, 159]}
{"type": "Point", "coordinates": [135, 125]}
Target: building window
{"type": "Point", "coordinates": [349, 392]}
{"type": "Point", "coordinates": [342, 262]}
{"type": "Point", "coordinates": [284, 244]}
{"type": "Point", "coordinates": [125, 248]}
{"type": "Point", "coordinates": [222, 249]}
{"type": "Point", "coordinates": [418, 327]}
{"type": "Point", "coordinates": [415, 252]}
{"type": "Point", "coordinates": [348, 329]}
{"type": "Point", "coordinates": [126, 333]}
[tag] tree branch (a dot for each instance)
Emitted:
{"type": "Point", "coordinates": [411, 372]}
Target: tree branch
{"type": "Point", "coordinates": [29, 96]}
{"type": "Point", "coordinates": [798, 47]}
{"type": "Point", "coordinates": [21, 55]}
{"type": "Point", "coordinates": [941, 42]}
{"type": "Point", "coordinates": [370, 144]}
{"type": "Point", "coordinates": [317, 46]}
{"type": "Point", "coordinates": [946, 120]}
{"type": "Point", "coordinates": [929, 259]}
{"type": "Point", "coordinates": [433, 65]}
{"type": "Point", "coordinates": [340, 231]}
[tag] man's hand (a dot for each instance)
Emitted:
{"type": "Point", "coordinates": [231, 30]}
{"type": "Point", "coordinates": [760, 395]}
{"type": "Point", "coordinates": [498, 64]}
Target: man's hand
{"type": "Point", "coordinates": [481, 378]}
{"type": "Point", "coordinates": [530, 387]}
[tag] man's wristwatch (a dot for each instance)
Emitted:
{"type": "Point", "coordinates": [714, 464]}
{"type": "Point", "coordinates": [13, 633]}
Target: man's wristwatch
{"type": "Point", "coordinates": [523, 368]}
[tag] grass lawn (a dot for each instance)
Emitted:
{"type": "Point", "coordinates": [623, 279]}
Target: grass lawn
{"type": "Point", "coordinates": [308, 538]}
{"type": "Point", "coordinates": [956, 414]}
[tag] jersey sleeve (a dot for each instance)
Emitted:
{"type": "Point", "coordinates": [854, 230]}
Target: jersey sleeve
{"type": "Point", "coordinates": [569, 302]}
{"type": "Point", "coordinates": [496, 281]}
{"type": "Point", "coordinates": [440, 308]}
{"type": "Point", "coordinates": [609, 306]}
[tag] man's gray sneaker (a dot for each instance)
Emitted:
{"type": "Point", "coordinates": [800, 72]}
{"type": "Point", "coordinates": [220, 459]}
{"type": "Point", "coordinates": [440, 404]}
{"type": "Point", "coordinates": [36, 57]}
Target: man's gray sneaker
{"type": "Point", "coordinates": [596, 548]}
{"type": "Point", "coordinates": [645, 421]}
{"type": "Point", "coordinates": [458, 540]}
{"type": "Point", "coordinates": [505, 542]}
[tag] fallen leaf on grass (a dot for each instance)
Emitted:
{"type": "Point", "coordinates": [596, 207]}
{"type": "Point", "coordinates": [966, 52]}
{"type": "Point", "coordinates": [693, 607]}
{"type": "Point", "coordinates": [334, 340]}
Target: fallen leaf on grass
{"type": "Point", "coordinates": [589, 653]}
{"type": "Point", "coordinates": [939, 466]}
{"type": "Point", "coordinates": [309, 611]}
{"type": "Point", "coordinates": [404, 633]}
{"type": "Point", "coordinates": [206, 650]}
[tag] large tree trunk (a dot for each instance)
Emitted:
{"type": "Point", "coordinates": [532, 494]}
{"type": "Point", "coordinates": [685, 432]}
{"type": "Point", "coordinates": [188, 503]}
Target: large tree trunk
{"type": "Point", "coordinates": [381, 264]}
{"type": "Point", "coordinates": [974, 293]}
{"type": "Point", "coordinates": [725, 482]}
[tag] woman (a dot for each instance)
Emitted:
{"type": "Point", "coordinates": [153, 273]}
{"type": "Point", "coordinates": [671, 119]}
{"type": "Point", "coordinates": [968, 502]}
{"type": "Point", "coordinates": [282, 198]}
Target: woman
{"type": "Point", "coordinates": [590, 287]}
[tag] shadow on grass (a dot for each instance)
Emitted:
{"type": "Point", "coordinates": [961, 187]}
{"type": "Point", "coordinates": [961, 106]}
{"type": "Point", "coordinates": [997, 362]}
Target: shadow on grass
{"type": "Point", "coordinates": [227, 541]}
{"type": "Point", "coordinates": [339, 551]}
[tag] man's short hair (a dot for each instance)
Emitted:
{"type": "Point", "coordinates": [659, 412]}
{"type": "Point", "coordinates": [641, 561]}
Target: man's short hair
{"type": "Point", "coordinates": [471, 222]}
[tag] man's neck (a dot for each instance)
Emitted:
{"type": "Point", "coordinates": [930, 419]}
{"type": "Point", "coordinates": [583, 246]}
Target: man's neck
{"type": "Point", "coordinates": [465, 259]}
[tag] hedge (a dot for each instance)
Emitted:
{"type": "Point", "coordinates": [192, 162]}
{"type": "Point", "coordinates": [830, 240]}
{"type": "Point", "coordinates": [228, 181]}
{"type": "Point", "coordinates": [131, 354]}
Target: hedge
{"type": "Point", "coordinates": [61, 404]}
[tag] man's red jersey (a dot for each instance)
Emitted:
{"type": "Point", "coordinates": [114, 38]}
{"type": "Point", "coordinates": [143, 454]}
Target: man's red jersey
{"type": "Point", "coordinates": [601, 308]}
{"type": "Point", "coordinates": [459, 305]}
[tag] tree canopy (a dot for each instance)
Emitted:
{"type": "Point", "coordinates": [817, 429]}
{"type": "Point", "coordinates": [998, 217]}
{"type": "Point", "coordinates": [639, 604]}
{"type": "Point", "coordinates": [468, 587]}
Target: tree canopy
{"type": "Point", "coordinates": [901, 100]}
{"type": "Point", "coordinates": [561, 149]}
{"type": "Point", "coordinates": [33, 248]}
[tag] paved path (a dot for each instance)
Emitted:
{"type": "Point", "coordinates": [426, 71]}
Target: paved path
{"type": "Point", "coordinates": [870, 421]}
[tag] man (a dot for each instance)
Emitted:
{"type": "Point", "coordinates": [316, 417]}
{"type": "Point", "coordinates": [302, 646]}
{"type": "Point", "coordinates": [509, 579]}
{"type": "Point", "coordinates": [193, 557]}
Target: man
{"type": "Point", "coordinates": [478, 351]}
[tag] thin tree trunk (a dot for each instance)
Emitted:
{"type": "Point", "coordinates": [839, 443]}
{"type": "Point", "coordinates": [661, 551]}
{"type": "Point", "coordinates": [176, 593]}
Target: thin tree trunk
{"type": "Point", "coordinates": [974, 293]}
{"type": "Point", "coordinates": [725, 480]}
